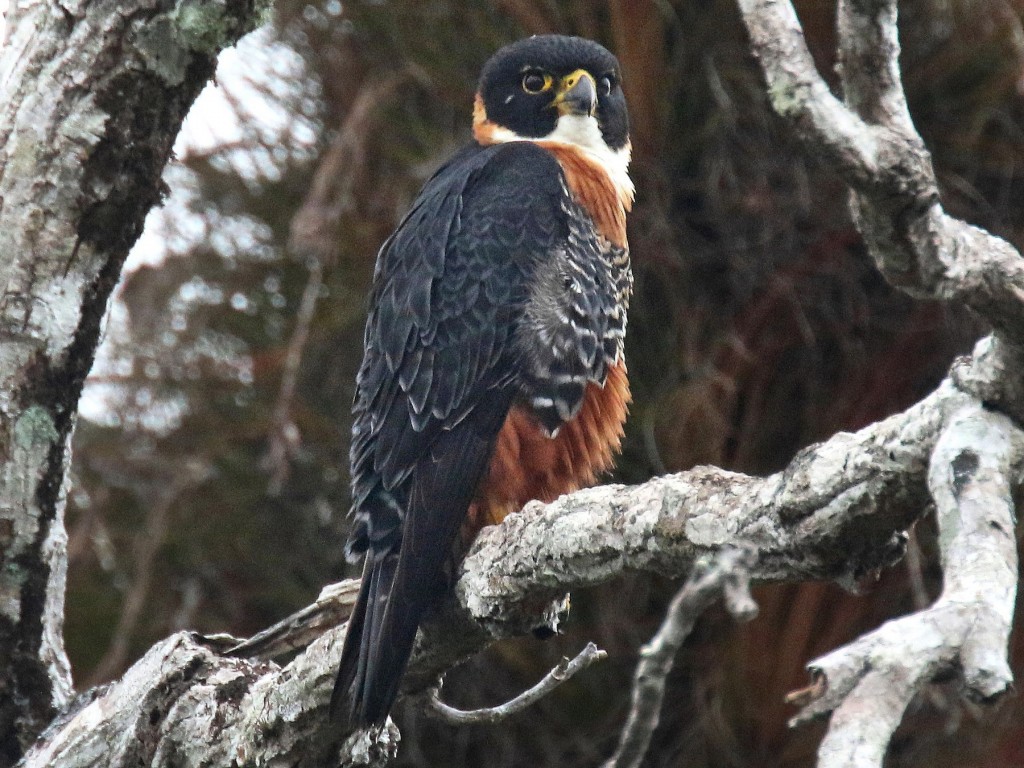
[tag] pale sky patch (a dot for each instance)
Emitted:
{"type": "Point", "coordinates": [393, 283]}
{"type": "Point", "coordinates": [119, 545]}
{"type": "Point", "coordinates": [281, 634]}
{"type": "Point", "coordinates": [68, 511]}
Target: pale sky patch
{"type": "Point", "coordinates": [257, 117]}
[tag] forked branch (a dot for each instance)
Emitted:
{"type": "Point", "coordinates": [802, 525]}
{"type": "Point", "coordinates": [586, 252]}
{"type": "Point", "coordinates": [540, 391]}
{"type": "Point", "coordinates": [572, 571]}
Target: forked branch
{"type": "Point", "coordinates": [870, 140]}
{"type": "Point", "coordinates": [868, 684]}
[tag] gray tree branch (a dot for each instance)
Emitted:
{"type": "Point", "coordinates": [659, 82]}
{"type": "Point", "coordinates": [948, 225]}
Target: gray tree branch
{"type": "Point", "coordinates": [870, 140]}
{"type": "Point", "coordinates": [727, 576]}
{"type": "Point", "coordinates": [869, 683]}
{"type": "Point", "coordinates": [837, 512]}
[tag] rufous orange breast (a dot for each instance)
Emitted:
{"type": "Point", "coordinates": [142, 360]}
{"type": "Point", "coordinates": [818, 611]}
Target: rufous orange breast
{"type": "Point", "coordinates": [527, 463]}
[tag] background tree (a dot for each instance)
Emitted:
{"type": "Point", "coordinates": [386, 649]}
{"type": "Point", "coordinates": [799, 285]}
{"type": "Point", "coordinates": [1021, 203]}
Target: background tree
{"type": "Point", "coordinates": [208, 492]}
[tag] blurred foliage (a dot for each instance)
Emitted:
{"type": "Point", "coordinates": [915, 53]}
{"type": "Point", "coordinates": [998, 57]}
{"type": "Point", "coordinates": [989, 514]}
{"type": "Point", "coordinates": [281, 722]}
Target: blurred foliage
{"type": "Point", "coordinates": [210, 470]}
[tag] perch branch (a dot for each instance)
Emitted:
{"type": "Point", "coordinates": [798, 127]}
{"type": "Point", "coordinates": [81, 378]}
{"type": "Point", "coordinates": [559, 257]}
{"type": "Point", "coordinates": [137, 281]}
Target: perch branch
{"type": "Point", "coordinates": [837, 512]}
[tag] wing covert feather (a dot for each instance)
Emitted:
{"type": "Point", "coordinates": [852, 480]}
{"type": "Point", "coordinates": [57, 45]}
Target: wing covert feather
{"type": "Point", "coordinates": [449, 288]}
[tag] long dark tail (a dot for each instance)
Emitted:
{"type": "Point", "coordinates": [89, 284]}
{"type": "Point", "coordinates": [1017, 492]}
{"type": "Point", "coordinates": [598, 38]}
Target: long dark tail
{"type": "Point", "coordinates": [399, 586]}
{"type": "Point", "coordinates": [377, 648]}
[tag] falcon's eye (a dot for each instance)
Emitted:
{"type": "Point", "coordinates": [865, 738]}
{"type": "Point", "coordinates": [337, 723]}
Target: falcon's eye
{"type": "Point", "coordinates": [605, 85]}
{"type": "Point", "coordinates": [535, 82]}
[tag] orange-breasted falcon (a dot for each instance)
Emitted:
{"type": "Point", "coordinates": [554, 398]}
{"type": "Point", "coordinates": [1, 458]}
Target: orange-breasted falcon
{"type": "Point", "coordinates": [493, 367]}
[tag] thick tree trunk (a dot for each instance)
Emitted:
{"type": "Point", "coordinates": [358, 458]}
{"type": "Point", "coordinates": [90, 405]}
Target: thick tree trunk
{"type": "Point", "coordinates": [92, 95]}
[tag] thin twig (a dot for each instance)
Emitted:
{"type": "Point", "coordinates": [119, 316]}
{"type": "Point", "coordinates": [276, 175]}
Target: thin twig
{"type": "Point", "coordinates": [565, 670]}
{"type": "Point", "coordinates": [728, 576]}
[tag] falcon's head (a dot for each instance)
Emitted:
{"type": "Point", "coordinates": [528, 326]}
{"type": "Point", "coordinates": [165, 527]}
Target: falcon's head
{"type": "Point", "coordinates": [555, 88]}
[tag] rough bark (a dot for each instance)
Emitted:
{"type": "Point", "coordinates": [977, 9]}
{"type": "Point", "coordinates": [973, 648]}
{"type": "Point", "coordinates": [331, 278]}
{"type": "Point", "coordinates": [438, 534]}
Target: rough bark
{"type": "Point", "coordinates": [870, 140]}
{"type": "Point", "coordinates": [92, 95]}
{"type": "Point", "coordinates": [837, 512]}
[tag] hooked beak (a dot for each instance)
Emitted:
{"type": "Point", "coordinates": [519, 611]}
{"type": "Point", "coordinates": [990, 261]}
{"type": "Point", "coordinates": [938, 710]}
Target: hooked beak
{"type": "Point", "coordinates": [576, 94]}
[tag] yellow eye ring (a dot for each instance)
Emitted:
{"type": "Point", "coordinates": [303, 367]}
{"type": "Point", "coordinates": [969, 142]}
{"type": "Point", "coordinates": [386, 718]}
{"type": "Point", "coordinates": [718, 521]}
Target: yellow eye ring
{"type": "Point", "coordinates": [536, 82]}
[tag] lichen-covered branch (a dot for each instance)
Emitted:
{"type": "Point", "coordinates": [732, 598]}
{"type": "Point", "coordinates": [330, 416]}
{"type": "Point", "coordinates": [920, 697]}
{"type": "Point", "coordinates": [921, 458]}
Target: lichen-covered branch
{"type": "Point", "coordinates": [91, 99]}
{"type": "Point", "coordinates": [871, 142]}
{"type": "Point", "coordinates": [837, 512]}
{"type": "Point", "coordinates": [869, 59]}
{"type": "Point", "coordinates": [869, 683]}
{"type": "Point", "coordinates": [834, 513]}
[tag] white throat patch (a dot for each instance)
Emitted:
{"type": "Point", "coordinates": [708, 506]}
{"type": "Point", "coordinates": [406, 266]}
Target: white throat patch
{"type": "Point", "coordinates": [584, 132]}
